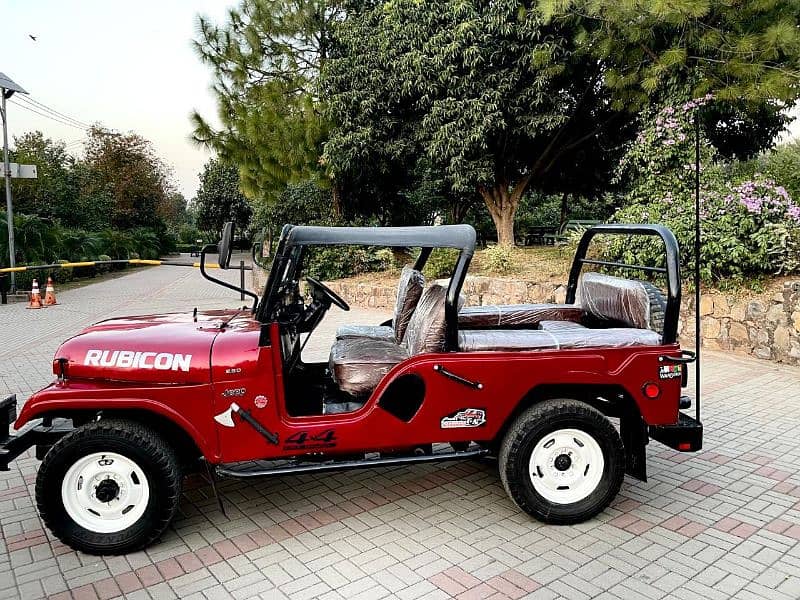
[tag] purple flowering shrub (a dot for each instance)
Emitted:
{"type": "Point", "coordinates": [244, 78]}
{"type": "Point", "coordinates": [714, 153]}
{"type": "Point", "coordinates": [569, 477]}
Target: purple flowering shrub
{"type": "Point", "coordinates": [749, 227]}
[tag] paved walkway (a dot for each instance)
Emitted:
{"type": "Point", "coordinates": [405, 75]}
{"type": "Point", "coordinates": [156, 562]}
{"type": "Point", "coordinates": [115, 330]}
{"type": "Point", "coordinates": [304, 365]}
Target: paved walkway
{"type": "Point", "coordinates": [724, 523]}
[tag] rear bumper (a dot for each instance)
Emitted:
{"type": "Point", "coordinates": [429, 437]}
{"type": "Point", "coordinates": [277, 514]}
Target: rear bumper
{"type": "Point", "coordinates": [685, 436]}
{"type": "Point", "coordinates": [39, 433]}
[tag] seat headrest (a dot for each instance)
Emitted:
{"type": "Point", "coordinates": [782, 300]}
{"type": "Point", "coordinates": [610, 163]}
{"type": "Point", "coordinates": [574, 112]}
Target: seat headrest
{"type": "Point", "coordinates": [426, 329]}
{"type": "Point", "coordinates": [613, 298]}
{"type": "Point", "coordinates": [409, 290]}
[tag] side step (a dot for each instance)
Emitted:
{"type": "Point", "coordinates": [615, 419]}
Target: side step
{"type": "Point", "coordinates": [295, 467]}
{"type": "Point", "coordinates": [686, 435]}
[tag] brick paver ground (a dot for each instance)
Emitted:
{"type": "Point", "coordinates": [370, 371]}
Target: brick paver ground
{"type": "Point", "coordinates": [724, 523]}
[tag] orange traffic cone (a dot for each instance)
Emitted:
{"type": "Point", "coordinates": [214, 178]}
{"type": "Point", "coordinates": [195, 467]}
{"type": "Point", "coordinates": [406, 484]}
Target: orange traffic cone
{"type": "Point", "coordinates": [36, 297]}
{"type": "Point", "coordinates": [50, 293]}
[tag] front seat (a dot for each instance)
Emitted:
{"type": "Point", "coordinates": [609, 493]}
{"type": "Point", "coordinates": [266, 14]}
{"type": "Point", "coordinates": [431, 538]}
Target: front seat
{"type": "Point", "coordinates": [409, 290]}
{"type": "Point", "coordinates": [358, 363]}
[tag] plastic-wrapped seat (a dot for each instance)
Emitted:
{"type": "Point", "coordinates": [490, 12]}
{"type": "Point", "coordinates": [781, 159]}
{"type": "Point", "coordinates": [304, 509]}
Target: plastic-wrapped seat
{"type": "Point", "coordinates": [559, 325]}
{"type": "Point", "coordinates": [517, 315]}
{"type": "Point", "coordinates": [409, 290]}
{"type": "Point", "coordinates": [481, 340]}
{"type": "Point", "coordinates": [609, 298]}
{"type": "Point", "coordinates": [358, 364]}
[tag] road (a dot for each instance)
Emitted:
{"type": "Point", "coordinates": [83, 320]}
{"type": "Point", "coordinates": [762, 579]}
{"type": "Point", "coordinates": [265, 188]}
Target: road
{"type": "Point", "coordinates": [724, 523]}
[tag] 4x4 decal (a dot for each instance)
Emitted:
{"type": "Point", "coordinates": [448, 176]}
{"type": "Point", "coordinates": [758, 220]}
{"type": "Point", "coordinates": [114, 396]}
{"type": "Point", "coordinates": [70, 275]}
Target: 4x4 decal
{"type": "Point", "coordinates": [466, 417]}
{"type": "Point", "coordinates": [305, 441]}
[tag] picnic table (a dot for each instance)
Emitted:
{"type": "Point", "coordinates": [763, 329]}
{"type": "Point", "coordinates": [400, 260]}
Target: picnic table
{"type": "Point", "coordinates": [535, 235]}
{"type": "Point", "coordinates": [560, 236]}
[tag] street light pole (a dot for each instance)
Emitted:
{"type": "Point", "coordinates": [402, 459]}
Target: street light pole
{"type": "Point", "coordinates": [9, 204]}
{"type": "Point", "coordinates": [7, 89]}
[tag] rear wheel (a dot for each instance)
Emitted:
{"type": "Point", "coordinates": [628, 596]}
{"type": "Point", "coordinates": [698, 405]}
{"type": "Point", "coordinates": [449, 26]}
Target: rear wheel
{"type": "Point", "coordinates": [109, 487]}
{"type": "Point", "coordinates": [562, 461]}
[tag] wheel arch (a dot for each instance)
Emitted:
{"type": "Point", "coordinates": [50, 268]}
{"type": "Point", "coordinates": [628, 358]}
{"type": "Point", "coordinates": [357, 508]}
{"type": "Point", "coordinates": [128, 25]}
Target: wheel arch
{"type": "Point", "coordinates": [185, 441]}
{"type": "Point", "coordinates": [612, 400]}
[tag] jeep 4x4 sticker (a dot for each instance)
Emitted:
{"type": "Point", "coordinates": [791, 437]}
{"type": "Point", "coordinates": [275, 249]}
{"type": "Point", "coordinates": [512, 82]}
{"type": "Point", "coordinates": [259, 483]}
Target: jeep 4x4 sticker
{"type": "Point", "coordinates": [466, 417]}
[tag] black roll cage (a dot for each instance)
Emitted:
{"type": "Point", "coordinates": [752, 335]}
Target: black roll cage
{"type": "Point", "coordinates": [671, 270]}
{"type": "Point", "coordinates": [294, 239]}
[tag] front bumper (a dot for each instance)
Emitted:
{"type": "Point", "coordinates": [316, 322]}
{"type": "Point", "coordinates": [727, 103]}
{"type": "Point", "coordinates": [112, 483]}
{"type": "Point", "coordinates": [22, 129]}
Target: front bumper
{"type": "Point", "coordinates": [42, 433]}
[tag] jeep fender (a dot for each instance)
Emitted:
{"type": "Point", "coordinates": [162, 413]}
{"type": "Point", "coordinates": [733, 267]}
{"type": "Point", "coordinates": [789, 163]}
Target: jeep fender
{"type": "Point", "coordinates": [38, 408]}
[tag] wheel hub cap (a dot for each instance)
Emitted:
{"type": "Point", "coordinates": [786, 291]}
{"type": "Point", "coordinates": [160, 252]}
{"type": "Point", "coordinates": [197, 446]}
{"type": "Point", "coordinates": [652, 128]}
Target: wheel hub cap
{"type": "Point", "coordinates": [105, 492]}
{"type": "Point", "coordinates": [566, 466]}
{"type": "Point", "coordinates": [563, 462]}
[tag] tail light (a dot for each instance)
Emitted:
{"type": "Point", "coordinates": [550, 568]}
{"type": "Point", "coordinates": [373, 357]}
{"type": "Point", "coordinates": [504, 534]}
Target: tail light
{"type": "Point", "coordinates": [651, 390]}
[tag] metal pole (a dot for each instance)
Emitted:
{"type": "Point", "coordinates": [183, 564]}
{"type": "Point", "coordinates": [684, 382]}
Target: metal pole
{"type": "Point", "coordinates": [697, 248]}
{"type": "Point", "coordinates": [9, 206]}
{"type": "Point", "coordinates": [241, 277]}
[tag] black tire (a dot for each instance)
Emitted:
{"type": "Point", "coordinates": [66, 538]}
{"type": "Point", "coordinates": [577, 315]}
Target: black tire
{"type": "Point", "coordinates": [135, 442]}
{"type": "Point", "coordinates": [658, 307]}
{"type": "Point", "coordinates": [533, 426]}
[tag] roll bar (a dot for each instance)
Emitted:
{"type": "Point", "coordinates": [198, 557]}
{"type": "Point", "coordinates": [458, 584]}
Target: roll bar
{"type": "Point", "coordinates": [672, 269]}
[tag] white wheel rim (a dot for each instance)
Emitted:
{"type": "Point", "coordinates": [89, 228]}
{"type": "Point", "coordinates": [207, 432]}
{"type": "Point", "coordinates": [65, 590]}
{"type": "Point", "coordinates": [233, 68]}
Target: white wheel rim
{"type": "Point", "coordinates": [566, 466]}
{"type": "Point", "coordinates": [122, 487]}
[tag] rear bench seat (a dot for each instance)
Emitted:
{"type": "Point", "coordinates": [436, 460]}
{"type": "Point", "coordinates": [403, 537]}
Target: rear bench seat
{"type": "Point", "coordinates": [604, 299]}
{"type": "Point", "coordinates": [479, 340]}
{"type": "Point", "coordinates": [516, 315]}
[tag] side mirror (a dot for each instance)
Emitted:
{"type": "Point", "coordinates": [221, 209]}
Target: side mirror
{"type": "Point", "coordinates": [224, 247]}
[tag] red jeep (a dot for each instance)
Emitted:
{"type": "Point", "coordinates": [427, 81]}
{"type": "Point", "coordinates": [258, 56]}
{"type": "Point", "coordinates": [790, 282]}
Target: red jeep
{"type": "Point", "coordinates": [139, 401]}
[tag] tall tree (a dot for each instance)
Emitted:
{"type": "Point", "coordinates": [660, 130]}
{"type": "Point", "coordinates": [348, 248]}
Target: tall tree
{"type": "Point", "coordinates": [509, 95]}
{"type": "Point", "coordinates": [54, 193]}
{"type": "Point", "coordinates": [487, 93]}
{"type": "Point", "coordinates": [219, 198]}
{"type": "Point", "coordinates": [265, 61]}
{"type": "Point", "coordinates": [126, 167]}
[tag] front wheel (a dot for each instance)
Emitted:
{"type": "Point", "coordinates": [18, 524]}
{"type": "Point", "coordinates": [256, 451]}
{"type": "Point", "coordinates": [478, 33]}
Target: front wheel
{"type": "Point", "coordinates": [109, 487]}
{"type": "Point", "coordinates": [562, 462]}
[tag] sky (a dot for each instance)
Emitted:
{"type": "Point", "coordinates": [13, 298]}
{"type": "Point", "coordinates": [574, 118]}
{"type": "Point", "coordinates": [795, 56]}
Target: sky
{"type": "Point", "coordinates": [127, 65]}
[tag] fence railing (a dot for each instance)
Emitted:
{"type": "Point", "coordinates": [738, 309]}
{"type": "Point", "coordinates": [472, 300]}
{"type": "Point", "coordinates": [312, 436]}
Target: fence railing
{"type": "Point", "coordinates": [4, 286]}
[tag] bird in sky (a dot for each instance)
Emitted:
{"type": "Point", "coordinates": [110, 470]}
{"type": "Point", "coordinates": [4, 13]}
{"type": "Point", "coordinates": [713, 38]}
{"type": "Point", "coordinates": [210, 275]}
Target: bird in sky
{"type": "Point", "coordinates": [33, 37]}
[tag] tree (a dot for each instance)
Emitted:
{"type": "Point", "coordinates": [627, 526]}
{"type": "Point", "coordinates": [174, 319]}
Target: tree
{"type": "Point", "coordinates": [504, 96]}
{"type": "Point", "coordinates": [734, 50]}
{"type": "Point", "coordinates": [173, 210]}
{"type": "Point", "coordinates": [54, 193]}
{"type": "Point", "coordinates": [265, 61]}
{"type": "Point", "coordinates": [219, 198]}
{"type": "Point", "coordinates": [487, 93]}
{"type": "Point", "coordinates": [126, 167]}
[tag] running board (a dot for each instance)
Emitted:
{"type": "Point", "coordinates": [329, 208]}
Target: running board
{"type": "Point", "coordinates": [254, 469]}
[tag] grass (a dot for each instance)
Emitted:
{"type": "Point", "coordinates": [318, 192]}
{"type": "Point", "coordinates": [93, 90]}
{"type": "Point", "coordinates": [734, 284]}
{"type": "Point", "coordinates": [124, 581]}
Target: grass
{"type": "Point", "coordinates": [540, 263]}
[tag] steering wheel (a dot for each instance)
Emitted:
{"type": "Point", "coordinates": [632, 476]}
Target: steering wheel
{"type": "Point", "coordinates": [318, 286]}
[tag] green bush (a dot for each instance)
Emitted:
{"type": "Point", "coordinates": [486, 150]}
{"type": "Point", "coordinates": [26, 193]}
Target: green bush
{"type": "Point", "coordinates": [63, 275]}
{"type": "Point", "coordinates": [441, 263]}
{"type": "Point", "coordinates": [103, 268]}
{"type": "Point", "coordinates": [336, 262]}
{"type": "Point", "coordinates": [750, 228]}
{"type": "Point", "coordinates": [499, 259]}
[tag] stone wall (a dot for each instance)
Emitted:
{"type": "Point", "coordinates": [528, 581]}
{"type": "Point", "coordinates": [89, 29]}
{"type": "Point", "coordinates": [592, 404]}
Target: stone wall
{"type": "Point", "coordinates": [765, 328]}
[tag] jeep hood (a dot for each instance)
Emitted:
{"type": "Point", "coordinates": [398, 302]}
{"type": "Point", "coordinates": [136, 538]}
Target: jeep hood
{"type": "Point", "coordinates": [169, 348]}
